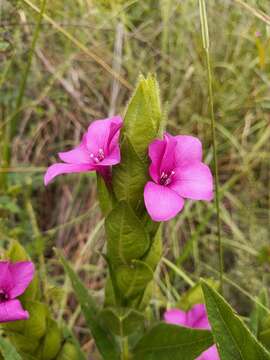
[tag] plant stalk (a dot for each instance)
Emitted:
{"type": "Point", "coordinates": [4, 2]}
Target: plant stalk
{"type": "Point", "coordinates": [205, 39]}
{"type": "Point", "coordinates": [125, 349]}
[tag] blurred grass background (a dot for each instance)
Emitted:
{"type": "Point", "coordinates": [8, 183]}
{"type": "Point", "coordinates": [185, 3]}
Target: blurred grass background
{"type": "Point", "coordinates": [85, 62]}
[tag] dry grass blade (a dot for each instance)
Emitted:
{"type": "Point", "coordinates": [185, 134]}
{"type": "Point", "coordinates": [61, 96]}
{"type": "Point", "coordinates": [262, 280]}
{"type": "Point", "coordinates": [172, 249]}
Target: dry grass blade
{"type": "Point", "coordinates": [256, 12]}
{"type": "Point", "coordinates": [81, 46]}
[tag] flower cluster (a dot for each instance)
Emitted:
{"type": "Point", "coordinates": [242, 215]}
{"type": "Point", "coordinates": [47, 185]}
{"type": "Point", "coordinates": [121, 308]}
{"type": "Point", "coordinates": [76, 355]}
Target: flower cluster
{"type": "Point", "coordinates": [176, 169]}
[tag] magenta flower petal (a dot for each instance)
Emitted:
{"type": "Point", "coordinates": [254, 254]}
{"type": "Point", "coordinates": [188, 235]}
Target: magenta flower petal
{"type": "Point", "coordinates": [189, 149]}
{"type": "Point", "coordinates": [78, 155]}
{"type": "Point", "coordinates": [168, 160]}
{"type": "Point", "coordinates": [12, 311]}
{"type": "Point", "coordinates": [193, 181]}
{"type": "Point", "coordinates": [209, 354]}
{"type": "Point", "coordinates": [23, 273]}
{"type": "Point", "coordinates": [156, 152]}
{"type": "Point", "coordinates": [197, 317]}
{"type": "Point", "coordinates": [59, 169]}
{"type": "Point", "coordinates": [175, 316]}
{"type": "Point", "coordinates": [101, 134]}
{"type": "Point", "coordinates": [99, 149]}
{"type": "Point", "coordinates": [161, 202]}
{"type": "Point", "coordinates": [114, 134]}
{"type": "Point", "coordinates": [176, 165]}
{"type": "Point", "coordinates": [6, 280]}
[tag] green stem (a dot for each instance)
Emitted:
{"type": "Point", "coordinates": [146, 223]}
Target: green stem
{"type": "Point", "coordinates": [125, 349]}
{"type": "Point", "coordinates": [205, 39]}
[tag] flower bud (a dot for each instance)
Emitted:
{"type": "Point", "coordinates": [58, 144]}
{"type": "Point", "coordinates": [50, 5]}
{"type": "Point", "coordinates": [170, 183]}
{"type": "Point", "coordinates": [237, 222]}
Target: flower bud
{"type": "Point", "coordinates": [35, 326]}
{"type": "Point", "coordinates": [68, 352]}
{"type": "Point", "coordinates": [23, 344]}
{"type": "Point", "coordinates": [52, 341]}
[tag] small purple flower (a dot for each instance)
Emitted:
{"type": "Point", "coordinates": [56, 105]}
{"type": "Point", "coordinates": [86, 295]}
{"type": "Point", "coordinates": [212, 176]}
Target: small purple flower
{"type": "Point", "coordinates": [98, 151]}
{"type": "Point", "coordinates": [177, 172]}
{"type": "Point", "coordinates": [196, 318]}
{"type": "Point", "coordinates": [14, 279]}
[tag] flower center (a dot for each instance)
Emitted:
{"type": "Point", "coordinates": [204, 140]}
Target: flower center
{"type": "Point", "coordinates": [166, 177]}
{"type": "Point", "coordinates": [98, 157]}
{"type": "Point", "coordinates": [3, 296]}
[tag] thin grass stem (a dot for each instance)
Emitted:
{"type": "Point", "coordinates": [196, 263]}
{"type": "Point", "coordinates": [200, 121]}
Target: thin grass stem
{"type": "Point", "coordinates": [205, 39]}
{"type": "Point", "coordinates": [81, 46]}
{"type": "Point", "coordinates": [12, 123]}
{"type": "Point", "coordinates": [28, 66]}
{"type": "Point", "coordinates": [179, 272]}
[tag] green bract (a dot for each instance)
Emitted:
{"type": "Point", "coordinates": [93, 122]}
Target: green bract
{"type": "Point", "coordinates": [39, 337]}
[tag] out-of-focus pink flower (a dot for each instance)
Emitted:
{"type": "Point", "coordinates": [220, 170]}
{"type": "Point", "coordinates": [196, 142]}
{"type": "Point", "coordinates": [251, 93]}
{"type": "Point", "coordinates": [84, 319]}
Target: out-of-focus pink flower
{"type": "Point", "coordinates": [98, 150]}
{"type": "Point", "coordinates": [196, 318]}
{"type": "Point", "coordinates": [258, 34]}
{"type": "Point", "coordinates": [177, 172]}
{"type": "Point", "coordinates": [14, 279]}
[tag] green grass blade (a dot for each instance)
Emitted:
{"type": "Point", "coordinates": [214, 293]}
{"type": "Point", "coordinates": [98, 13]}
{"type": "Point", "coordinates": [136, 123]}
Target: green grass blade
{"type": "Point", "coordinates": [104, 341]}
{"type": "Point", "coordinates": [8, 350]}
{"type": "Point", "coordinates": [206, 44]}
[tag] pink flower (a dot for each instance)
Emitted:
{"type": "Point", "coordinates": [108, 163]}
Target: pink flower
{"type": "Point", "coordinates": [196, 318]}
{"type": "Point", "coordinates": [98, 151]}
{"type": "Point", "coordinates": [177, 172]}
{"type": "Point", "coordinates": [14, 279]}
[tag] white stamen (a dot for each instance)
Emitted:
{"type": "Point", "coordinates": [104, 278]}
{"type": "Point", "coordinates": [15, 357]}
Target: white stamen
{"type": "Point", "coordinates": [166, 178]}
{"type": "Point", "coordinates": [98, 157]}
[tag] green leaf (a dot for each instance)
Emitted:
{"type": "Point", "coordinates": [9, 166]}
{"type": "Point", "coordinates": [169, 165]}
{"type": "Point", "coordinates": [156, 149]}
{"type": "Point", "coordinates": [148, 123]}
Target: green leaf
{"type": "Point", "coordinates": [105, 197]}
{"type": "Point", "coordinates": [153, 256]}
{"type": "Point", "coordinates": [115, 296]}
{"type": "Point", "coordinates": [233, 338]}
{"type": "Point", "coordinates": [166, 341]}
{"type": "Point", "coordinates": [141, 303]}
{"type": "Point", "coordinates": [110, 299]}
{"type": "Point", "coordinates": [142, 124]}
{"type": "Point", "coordinates": [104, 341]}
{"type": "Point", "coordinates": [143, 117]}
{"type": "Point", "coordinates": [132, 280]}
{"type": "Point", "coordinates": [130, 176]}
{"type": "Point", "coordinates": [122, 321]}
{"type": "Point", "coordinates": [8, 351]}
{"type": "Point", "coordinates": [127, 239]}
{"type": "Point", "coordinates": [16, 252]}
